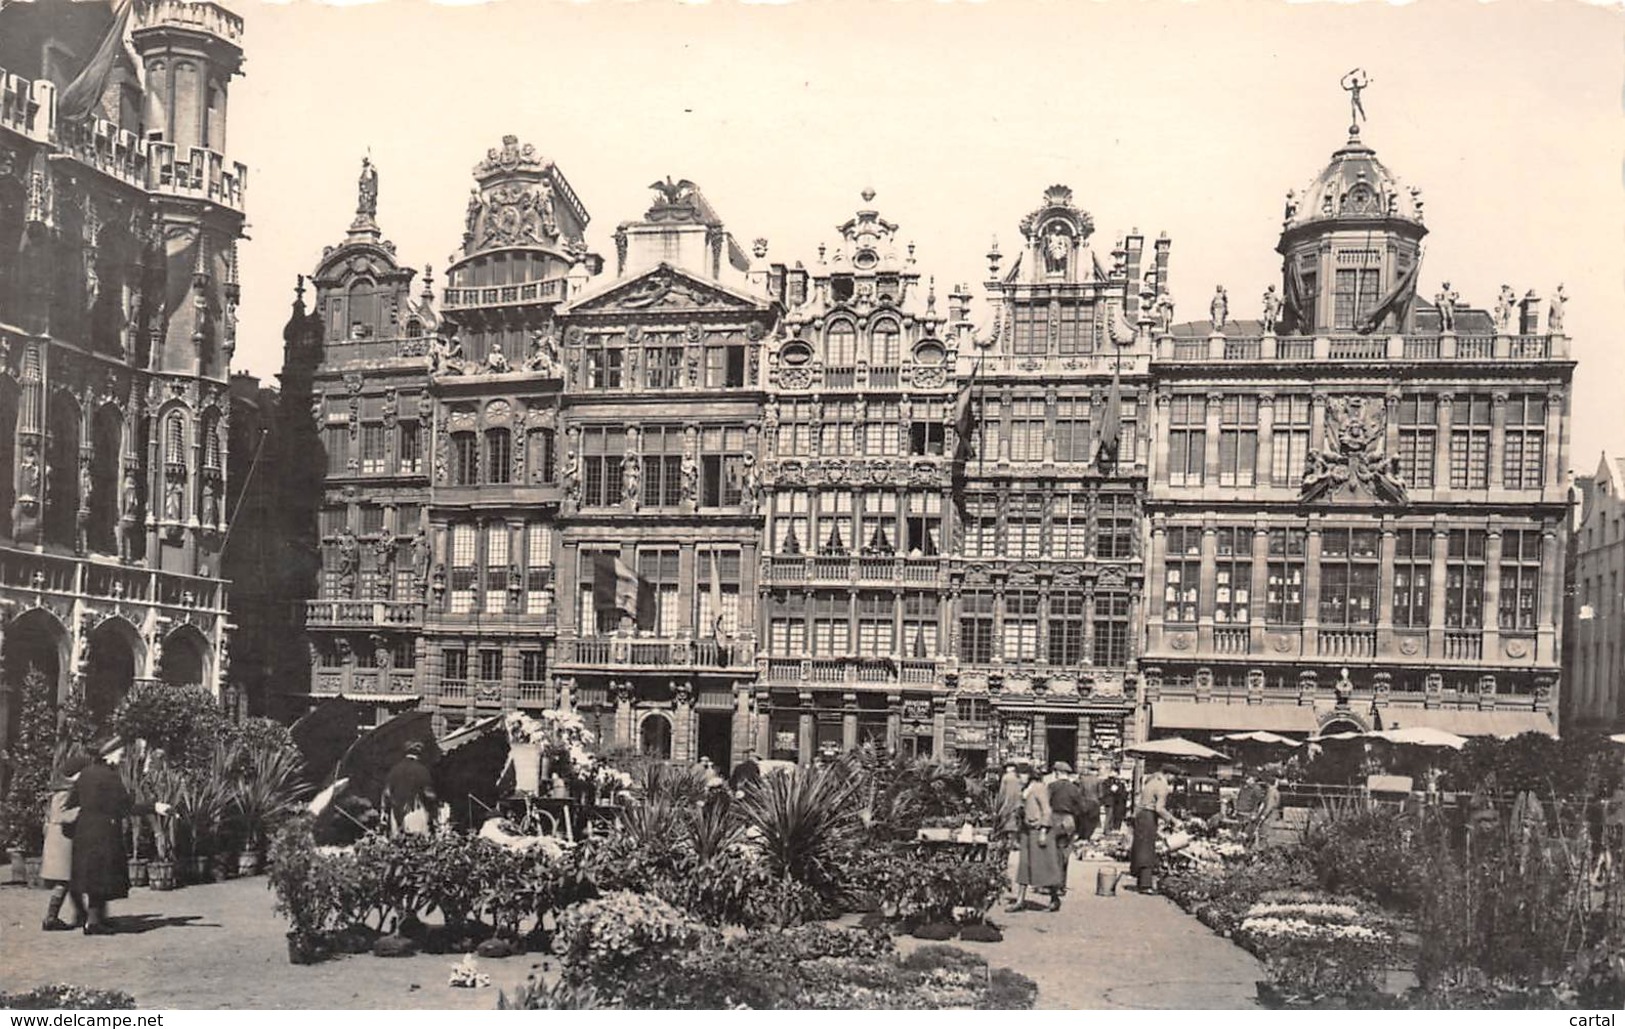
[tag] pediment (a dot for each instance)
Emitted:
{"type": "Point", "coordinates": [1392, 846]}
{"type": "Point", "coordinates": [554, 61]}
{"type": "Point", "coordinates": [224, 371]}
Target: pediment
{"type": "Point", "coordinates": [667, 289]}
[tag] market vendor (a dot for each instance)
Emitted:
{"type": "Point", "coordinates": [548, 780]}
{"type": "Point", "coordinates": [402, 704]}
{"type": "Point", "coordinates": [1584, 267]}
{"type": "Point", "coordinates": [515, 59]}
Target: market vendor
{"type": "Point", "coordinates": [409, 795]}
{"type": "Point", "coordinates": [1150, 808]}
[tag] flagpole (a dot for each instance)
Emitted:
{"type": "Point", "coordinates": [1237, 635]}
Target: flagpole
{"type": "Point", "coordinates": [981, 420]}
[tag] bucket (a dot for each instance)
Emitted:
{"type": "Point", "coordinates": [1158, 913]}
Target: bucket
{"type": "Point", "coordinates": [1106, 882]}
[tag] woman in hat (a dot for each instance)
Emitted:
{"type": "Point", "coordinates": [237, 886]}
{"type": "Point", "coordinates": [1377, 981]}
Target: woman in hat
{"type": "Point", "coordinates": [1039, 864]}
{"type": "Point", "coordinates": [100, 872]}
{"type": "Point", "coordinates": [56, 864]}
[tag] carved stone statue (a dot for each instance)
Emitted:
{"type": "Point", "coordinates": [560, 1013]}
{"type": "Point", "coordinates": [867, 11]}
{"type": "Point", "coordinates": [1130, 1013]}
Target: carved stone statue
{"type": "Point", "coordinates": [130, 508]}
{"type": "Point", "coordinates": [1219, 309]}
{"type": "Point", "coordinates": [476, 207]}
{"type": "Point", "coordinates": [1506, 306]}
{"type": "Point", "coordinates": [174, 503]}
{"type": "Point", "coordinates": [87, 485]}
{"type": "Point", "coordinates": [1165, 311]}
{"type": "Point", "coordinates": [29, 474]}
{"type": "Point", "coordinates": [570, 478]}
{"type": "Point", "coordinates": [367, 190]}
{"type": "Point", "coordinates": [1291, 205]}
{"type": "Point", "coordinates": [496, 361]}
{"type": "Point", "coordinates": [544, 353]}
{"type": "Point", "coordinates": [751, 487]}
{"type": "Point", "coordinates": [1446, 300]}
{"type": "Point", "coordinates": [422, 553]}
{"type": "Point", "coordinates": [1344, 688]}
{"type": "Point", "coordinates": [1057, 248]}
{"type": "Point", "coordinates": [691, 479]}
{"type": "Point", "coordinates": [211, 502]}
{"type": "Point", "coordinates": [1554, 313]}
{"type": "Point", "coordinates": [445, 354]}
{"type": "Point", "coordinates": [349, 563]}
{"type": "Point", "coordinates": [1271, 310]}
{"type": "Point", "coordinates": [632, 478]}
{"type": "Point", "coordinates": [1353, 458]}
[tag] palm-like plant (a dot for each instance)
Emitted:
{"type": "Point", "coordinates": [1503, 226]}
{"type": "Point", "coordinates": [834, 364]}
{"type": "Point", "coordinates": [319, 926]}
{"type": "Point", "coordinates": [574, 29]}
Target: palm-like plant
{"type": "Point", "coordinates": [269, 789]}
{"type": "Point", "coordinates": [714, 828]}
{"type": "Point", "coordinates": [805, 821]}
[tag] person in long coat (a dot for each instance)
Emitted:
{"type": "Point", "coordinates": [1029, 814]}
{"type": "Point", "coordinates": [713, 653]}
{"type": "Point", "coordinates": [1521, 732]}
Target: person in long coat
{"type": "Point", "coordinates": [1039, 862]}
{"type": "Point", "coordinates": [409, 795]}
{"type": "Point", "coordinates": [100, 871]}
{"type": "Point", "coordinates": [56, 862]}
{"type": "Point", "coordinates": [1068, 812]}
{"type": "Point", "coordinates": [1089, 785]}
{"type": "Point", "coordinates": [1007, 806]}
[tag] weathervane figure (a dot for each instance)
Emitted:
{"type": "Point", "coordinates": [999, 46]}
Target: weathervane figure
{"type": "Point", "coordinates": [1353, 83]}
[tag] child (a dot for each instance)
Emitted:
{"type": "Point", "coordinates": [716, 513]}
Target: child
{"type": "Point", "coordinates": [56, 866]}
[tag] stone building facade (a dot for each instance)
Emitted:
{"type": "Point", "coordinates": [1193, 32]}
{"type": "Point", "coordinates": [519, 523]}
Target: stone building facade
{"type": "Point", "coordinates": [120, 213]}
{"type": "Point", "coordinates": [1594, 657]}
{"type": "Point", "coordinates": [1047, 575]}
{"type": "Point", "coordinates": [1357, 504]}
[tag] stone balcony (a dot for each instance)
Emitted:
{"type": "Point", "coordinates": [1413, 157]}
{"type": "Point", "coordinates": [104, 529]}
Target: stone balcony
{"type": "Point", "coordinates": [364, 614]}
{"type": "Point", "coordinates": [1449, 347]}
{"type": "Point", "coordinates": [1378, 645]}
{"type": "Point", "coordinates": [206, 18]}
{"type": "Point", "coordinates": [66, 579]}
{"type": "Point", "coordinates": [552, 290]}
{"type": "Point", "coordinates": [785, 570]}
{"type": "Point", "coordinates": [922, 672]}
{"type": "Point", "coordinates": [650, 653]}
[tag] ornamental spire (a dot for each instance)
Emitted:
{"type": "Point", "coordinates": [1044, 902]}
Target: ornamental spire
{"type": "Point", "coordinates": [1353, 83]}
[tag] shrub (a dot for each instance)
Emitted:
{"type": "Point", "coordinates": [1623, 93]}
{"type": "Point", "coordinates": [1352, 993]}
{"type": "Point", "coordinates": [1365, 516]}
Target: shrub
{"type": "Point", "coordinates": [805, 823]}
{"type": "Point", "coordinates": [1371, 854]}
{"type": "Point", "coordinates": [622, 937]}
{"type": "Point", "coordinates": [301, 879]}
{"type": "Point", "coordinates": [63, 995]}
{"type": "Point", "coordinates": [22, 814]}
{"type": "Point", "coordinates": [185, 722]}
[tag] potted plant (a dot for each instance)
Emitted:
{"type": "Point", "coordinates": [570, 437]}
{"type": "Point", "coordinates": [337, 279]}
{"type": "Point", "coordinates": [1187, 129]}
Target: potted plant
{"type": "Point", "coordinates": [164, 784]}
{"type": "Point", "coordinates": [300, 880]}
{"type": "Point", "coordinates": [268, 791]}
{"type": "Point", "coordinates": [130, 771]}
{"type": "Point", "coordinates": [22, 810]}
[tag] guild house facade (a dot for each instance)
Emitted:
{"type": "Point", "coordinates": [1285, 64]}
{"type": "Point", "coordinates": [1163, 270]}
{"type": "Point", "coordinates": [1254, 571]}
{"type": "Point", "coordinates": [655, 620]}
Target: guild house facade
{"type": "Point", "coordinates": [120, 213]}
{"type": "Point", "coordinates": [717, 503]}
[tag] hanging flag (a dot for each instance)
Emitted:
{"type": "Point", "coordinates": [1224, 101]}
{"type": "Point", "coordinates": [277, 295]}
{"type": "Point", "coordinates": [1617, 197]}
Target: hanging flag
{"type": "Point", "coordinates": [716, 595]}
{"type": "Point", "coordinates": [1296, 300]}
{"type": "Point", "coordinates": [737, 256]}
{"type": "Point", "coordinates": [84, 94]}
{"type": "Point", "coordinates": [964, 415]}
{"type": "Point", "coordinates": [1111, 424]}
{"type": "Point", "coordinates": [792, 545]}
{"type": "Point", "coordinates": [835, 546]}
{"type": "Point", "coordinates": [1121, 330]}
{"type": "Point", "coordinates": [1398, 301]}
{"type": "Point", "coordinates": [615, 586]}
{"type": "Point", "coordinates": [919, 643]}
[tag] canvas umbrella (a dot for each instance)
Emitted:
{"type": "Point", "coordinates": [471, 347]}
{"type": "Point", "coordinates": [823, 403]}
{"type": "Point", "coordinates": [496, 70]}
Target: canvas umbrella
{"type": "Point", "coordinates": [369, 759]}
{"type": "Point", "coordinates": [324, 734]}
{"type": "Point", "coordinates": [1618, 738]}
{"type": "Point", "coordinates": [1176, 748]}
{"type": "Point", "coordinates": [1261, 736]}
{"type": "Point", "coordinates": [1422, 736]}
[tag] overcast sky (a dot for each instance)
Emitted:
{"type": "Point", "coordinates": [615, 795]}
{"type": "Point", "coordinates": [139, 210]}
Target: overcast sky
{"type": "Point", "coordinates": [1194, 118]}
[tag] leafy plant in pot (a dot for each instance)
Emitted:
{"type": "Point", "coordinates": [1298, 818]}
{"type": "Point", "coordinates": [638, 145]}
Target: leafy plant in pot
{"type": "Point", "coordinates": [22, 810]}
{"type": "Point", "coordinates": [134, 784]}
{"type": "Point", "coordinates": [267, 792]}
{"type": "Point", "coordinates": [163, 784]}
{"type": "Point", "coordinates": [298, 878]}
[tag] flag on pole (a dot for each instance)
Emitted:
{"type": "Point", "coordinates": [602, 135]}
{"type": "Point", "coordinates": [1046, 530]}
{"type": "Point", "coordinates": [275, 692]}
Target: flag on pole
{"type": "Point", "coordinates": [1398, 300]}
{"type": "Point", "coordinates": [614, 584]}
{"type": "Point", "coordinates": [964, 415]}
{"type": "Point", "coordinates": [84, 93]}
{"type": "Point", "coordinates": [716, 595]}
{"type": "Point", "coordinates": [1111, 423]}
{"type": "Point", "coordinates": [1296, 300]}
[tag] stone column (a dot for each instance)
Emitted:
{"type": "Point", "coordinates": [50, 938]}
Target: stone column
{"type": "Point", "coordinates": [1546, 605]}
{"type": "Point", "coordinates": [939, 727]}
{"type": "Point", "coordinates": [1156, 582]}
{"type": "Point", "coordinates": [1266, 441]}
{"type": "Point", "coordinates": [1207, 589]}
{"type": "Point", "coordinates": [1441, 550]}
{"type": "Point", "coordinates": [1040, 738]}
{"type": "Point", "coordinates": [744, 728]}
{"type": "Point", "coordinates": [1441, 455]}
{"type": "Point", "coordinates": [807, 742]}
{"type": "Point", "coordinates": [849, 721]}
{"type": "Point", "coordinates": [894, 723]}
{"type": "Point", "coordinates": [1210, 460]}
{"type": "Point", "coordinates": [682, 732]}
{"type": "Point", "coordinates": [1317, 420]}
{"type": "Point", "coordinates": [1498, 428]}
{"type": "Point", "coordinates": [1492, 594]}
{"type": "Point", "coordinates": [1385, 588]}
{"type": "Point", "coordinates": [1158, 471]}
{"type": "Point", "coordinates": [1089, 620]}
{"type": "Point", "coordinates": [1311, 589]}
{"type": "Point", "coordinates": [687, 574]}
{"type": "Point", "coordinates": [625, 730]}
{"type": "Point", "coordinates": [1259, 588]}
{"type": "Point", "coordinates": [1556, 442]}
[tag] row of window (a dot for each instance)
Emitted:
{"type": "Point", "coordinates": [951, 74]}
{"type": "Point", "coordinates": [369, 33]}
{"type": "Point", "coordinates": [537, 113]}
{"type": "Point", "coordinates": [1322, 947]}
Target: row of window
{"type": "Point", "coordinates": [1026, 430]}
{"type": "Point", "coordinates": [883, 344]}
{"type": "Point", "coordinates": [606, 362]}
{"type": "Point", "coordinates": [876, 429]}
{"type": "Point", "coordinates": [1072, 526]}
{"type": "Point", "coordinates": [374, 452]}
{"type": "Point", "coordinates": [1351, 574]}
{"type": "Point", "coordinates": [1523, 459]}
{"type": "Point", "coordinates": [839, 523]}
{"type": "Point", "coordinates": [370, 520]}
{"type": "Point", "coordinates": [492, 570]}
{"type": "Point", "coordinates": [721, 466]}
{"type": "Point", "coordinates": [488, 664]}
{"type": "Point", "coordinates": [657, 605]}
{"type": "Point", "coordinates": [488, 458]}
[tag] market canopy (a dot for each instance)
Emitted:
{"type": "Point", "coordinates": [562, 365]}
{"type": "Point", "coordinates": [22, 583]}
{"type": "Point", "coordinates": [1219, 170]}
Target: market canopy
{"type": "Point", "coordinates": [1213, 716]}
{"type": "Point", "coordinates": [369, 759]}
{"type": "Point", "coordinates": [1176, 747]}
{"type": "Point", "coordinates": [1618, 738]}
{"type": "Point", "coordinates": [1422, 736]}
{"type": "Point", "coordinates": [1469, 722]}
{"type": "Point", "coordinates": [1261, 736]}
{"type": "Point", "coordinates": [323, 735]}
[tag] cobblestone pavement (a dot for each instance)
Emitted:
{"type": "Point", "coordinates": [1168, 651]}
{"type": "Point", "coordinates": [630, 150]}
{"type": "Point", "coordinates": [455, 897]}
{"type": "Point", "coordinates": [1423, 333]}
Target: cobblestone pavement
{"type": "Point", "coordinates": [221, 946]}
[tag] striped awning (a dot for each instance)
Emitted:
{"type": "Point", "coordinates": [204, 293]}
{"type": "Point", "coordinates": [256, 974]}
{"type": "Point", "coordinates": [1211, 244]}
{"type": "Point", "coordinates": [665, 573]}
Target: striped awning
{"type": "Point", "coordinates": [382, 698]}
{"type": "Point", "coordinates": [1469, 722]}
{"type": "Point", "coordinates": [1218, 717]}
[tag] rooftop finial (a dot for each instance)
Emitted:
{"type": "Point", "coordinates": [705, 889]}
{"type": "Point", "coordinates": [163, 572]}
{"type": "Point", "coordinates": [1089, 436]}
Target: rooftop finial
{"type": "Point", "coordinates": [1353, 83]}
{"type": "Point", "coordinates": [299, 289]}
{"type": "Point", "coordinates": [868, 194]}
{"type": "Point", "coordinates": [367, 189]}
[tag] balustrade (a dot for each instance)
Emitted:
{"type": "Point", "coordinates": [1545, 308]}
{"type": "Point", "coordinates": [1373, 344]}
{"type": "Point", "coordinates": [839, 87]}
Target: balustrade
{"type": "Point", "coordinates": [840, 376]}
{"type": "Point", "coordinates": [1475, 348]}
{"type": "Point", "coordinates": [1463, 646]}
{"type": "Point", "coordinates": [1358, 348]}
{"type": "Point", "coordinates": [1231, 640]}
{"type": "Point", "coordinates": [1351, 643]}
{"type": "Point", "coordinates": [454, 689]}
{"type": "Point", "coordinates": [532, 692]}
{"type": "Point", "coordinates": [1421, 348]}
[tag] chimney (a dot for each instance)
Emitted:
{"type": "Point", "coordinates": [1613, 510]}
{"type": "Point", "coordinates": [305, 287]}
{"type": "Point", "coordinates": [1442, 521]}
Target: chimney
{"type": "Point", "coordinates": [1163, 243]}
{"type": "Point", "coordinates": [1133, 250]}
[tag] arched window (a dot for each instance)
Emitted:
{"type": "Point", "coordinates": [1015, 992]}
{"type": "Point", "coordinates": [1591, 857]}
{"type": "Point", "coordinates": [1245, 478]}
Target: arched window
{"type": "Point", "coordinates": [840, 345]}
{"type": "Point", "coordinates": [498, 455]}
{"type": "Point", "coordinates": [541, 455]}
{"type": "Point", "coordinates": [364, 309]}
{"type": "Point", "coordinates": [211, 440]}
{"type": "Point", "coordinates": [175, 438]}
{"type": "Point", "coordinates": [414, 327]}
{"type": "Point", "coordinates": [885, 343]}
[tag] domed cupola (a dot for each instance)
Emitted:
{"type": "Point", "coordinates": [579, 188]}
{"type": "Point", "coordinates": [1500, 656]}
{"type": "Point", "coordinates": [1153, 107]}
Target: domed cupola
{"type": "Point", "coordinates": [1351, 241]}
